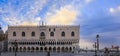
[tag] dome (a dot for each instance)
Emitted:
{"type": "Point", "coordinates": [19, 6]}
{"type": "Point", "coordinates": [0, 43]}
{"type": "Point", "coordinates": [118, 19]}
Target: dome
{"type": "Point", "coordinates": [1, 31]}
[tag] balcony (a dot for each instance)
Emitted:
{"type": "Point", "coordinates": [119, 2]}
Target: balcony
{"type": "Point", "coordinates": [42, 37]}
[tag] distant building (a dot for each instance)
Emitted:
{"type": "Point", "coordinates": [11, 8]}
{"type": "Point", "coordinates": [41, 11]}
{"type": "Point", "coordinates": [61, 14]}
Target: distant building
{"type": "Point", "coordinates": [43, 38]}
{"type": "Point", "coordinates": [3, 40]}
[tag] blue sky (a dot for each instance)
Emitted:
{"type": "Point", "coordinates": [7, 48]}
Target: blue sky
{"type": "Point", "coordinates": [94, 17]}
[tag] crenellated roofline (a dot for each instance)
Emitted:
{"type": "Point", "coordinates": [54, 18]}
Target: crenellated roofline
{"type": "Point", "coordinates": [44, 26]}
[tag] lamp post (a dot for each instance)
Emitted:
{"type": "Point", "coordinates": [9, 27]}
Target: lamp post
{"type": "Point", "coordinates": [48, 53]}
{"type": "Point", "coordinates": [16, 45]}
{"type": "Point", "coordinates": [0, 49]}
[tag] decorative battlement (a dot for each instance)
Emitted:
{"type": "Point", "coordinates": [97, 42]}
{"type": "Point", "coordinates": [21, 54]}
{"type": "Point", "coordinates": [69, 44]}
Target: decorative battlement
{"type": "Point", "coordinates": [43, 25]}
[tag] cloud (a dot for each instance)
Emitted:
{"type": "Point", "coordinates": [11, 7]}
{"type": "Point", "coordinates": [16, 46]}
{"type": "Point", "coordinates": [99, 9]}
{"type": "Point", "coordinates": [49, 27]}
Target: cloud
{"type": "Point", "coordinates": [11, 21]}
{"type": "Point", "coordinates": [62, 13]}
{"type": "Point", "coordinates": [33, 23]}
{"type": "Point", "coordinates": [112, 10]}
{"type": "Point", "coordinates": [88, 1]}
{"type": "Point", "coordinates": [115, 12]}
{"type": "Point", "coordinates": [5, 28]}
{"type": "Point", "coordinates": [63, 16]}
{"type": "Point", "coordinates": [25, 14]}
{"type": "Point", "coordinates": [27, 23]}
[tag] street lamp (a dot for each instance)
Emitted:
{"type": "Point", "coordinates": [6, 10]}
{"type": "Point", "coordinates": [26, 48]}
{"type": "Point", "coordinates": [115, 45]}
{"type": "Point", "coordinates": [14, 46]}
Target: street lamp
{"type": "Point", "coordinates": [48, 53]}
{"type": "Point", "coordinates": [0, 49]}
{"type": "Point", "coordinates": [16, 45]}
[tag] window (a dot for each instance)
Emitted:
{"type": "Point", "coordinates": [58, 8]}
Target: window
{"type": "Point", "coordinates": [23, 34]}
{"type": "Point", "coordinates": [54, 29]}
{"type": "Point", "coordinates": [52, 34]}
{"type": "Point", "coordinates": [72, 34]}
{"type": "Point", "coordinates": [42, 34]}
{"type": "Point", "coordinates": [14, 33]}
{"type": "Point", "coordinates": [33, 34]}
{"type": "Point", "coordinates": [49, 29]}
{"type": "Point", "coordinates": [63, 34]}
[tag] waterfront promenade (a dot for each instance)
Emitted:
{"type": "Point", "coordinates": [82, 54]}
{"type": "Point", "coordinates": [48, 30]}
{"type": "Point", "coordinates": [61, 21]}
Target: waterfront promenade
{"type": "Point", "coordinates": [57, 54]}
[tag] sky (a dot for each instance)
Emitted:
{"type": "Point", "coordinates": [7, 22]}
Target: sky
{"type": "Point", "coordinates": [94, 17]}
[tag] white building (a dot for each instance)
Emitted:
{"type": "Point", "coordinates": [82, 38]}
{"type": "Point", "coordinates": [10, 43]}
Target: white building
{"type": "Point", "coordinates": [43, 38]}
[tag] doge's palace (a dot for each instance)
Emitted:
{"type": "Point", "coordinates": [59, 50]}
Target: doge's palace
{"type": "Point", "coordinates": [54, 38]}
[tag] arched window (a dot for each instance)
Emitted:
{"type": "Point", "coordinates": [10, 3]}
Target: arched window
{"type": "Point", "coordinates": [54, 29]}
{"type": "Point", "coordinates": [72, 34]}
{"type": "Point", "coordinates": [63, 34]}
{"type": "Point", "coordinates": [33, 34]}
{"type": "Point", "coordinates": [42, 34]}
{"type": "Point", "coordinates": [52, 34]}
{"type": "Point", "coordinates": [49, 29]}
{"type": "Point", "coordinates": [23, 34]}
{"type": "Point", "coordinates": [14, 33]}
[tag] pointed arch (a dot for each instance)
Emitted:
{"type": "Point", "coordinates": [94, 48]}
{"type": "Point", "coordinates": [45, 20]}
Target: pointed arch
{"type": "Point", "coordinates": [32, 48]}
{"type": "Point", "coordinates": [42, 34]}
{"type": "Point", "coordinates": [14, 33]}
{"type": "Point", "coordinates": [28, 48]}
{"type": "Point", "coordinates": [24, 48]}
{"type": "Point", "coordinates": [52, 34]}
{"type": "Point", "coordinates": [45, 48]}
{"type": "Point", "coordinates": [33, 34]}
{"type": "Point", "coordinates": [50, 48]}
{"type": "Point", "coordinates": [63, 34]}
{"type": "Point", "coordinates": [72, 34]}
{"type": "Point", "coordinates": [23, 34]}
{"type": "Point", "coordinates": [66, 49]}
{"type": "Point", "coordinates": [62, 49]}
{"type": "Point", "coordinates": [54, 48]}
{"type": "Point", "coordinates": [58, 49]}
{"type": "Point", "coordinates": [70, 49]}
{"type": "Point", "coordinates": [20, 49]}
{"type": "Point", "coordinates": [37, 48]}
